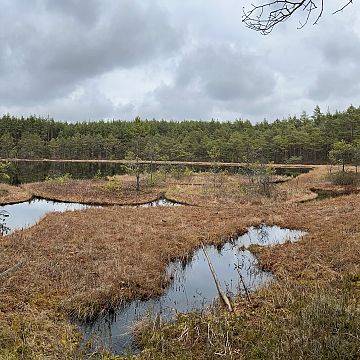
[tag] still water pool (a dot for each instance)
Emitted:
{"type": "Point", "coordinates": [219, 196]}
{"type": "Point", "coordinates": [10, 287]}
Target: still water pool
{"type": "Point", "coordinates": [192, 287]}
{"type": "Point", "coordinates": [26, 214]}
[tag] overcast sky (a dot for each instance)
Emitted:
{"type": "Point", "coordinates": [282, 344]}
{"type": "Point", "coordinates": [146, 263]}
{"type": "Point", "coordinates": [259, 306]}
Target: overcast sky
{"type": "Point", "coordinates": [173, 59]}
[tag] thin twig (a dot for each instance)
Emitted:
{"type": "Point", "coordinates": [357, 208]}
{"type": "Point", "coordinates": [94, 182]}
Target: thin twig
{"type": "Point", "coordinates": [243, 282]}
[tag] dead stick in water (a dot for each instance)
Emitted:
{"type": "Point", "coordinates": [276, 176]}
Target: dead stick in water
{"type": "Point", "coordinates": [223, 296]}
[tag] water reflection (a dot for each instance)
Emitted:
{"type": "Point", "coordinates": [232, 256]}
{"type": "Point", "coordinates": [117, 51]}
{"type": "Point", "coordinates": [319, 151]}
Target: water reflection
{"type": "Point", "coordinates": [26, 214]}
{"type": "Point", "coordinates": [192, 287]}
{"type": "Point", "coordinates": [25, 172]}
{"type": "Point", "coordinates": [161, 202]}
{"type": "Point", "coordinates": [4, 229]}
{"type": "Point", "coordinates": [23, 215]}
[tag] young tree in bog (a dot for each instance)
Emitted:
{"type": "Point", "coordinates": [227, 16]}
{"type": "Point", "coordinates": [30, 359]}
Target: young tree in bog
{"type": "Point", "coordinates": [134, 167]}
{"type": "Point", "coordinates": [342, 153]}
{"type": "Point", "coordinates": [139, 132]}
{"type": "Point", "coordinates": [356, 155]}
{"type": "Point", "coordinates": [151, 151]}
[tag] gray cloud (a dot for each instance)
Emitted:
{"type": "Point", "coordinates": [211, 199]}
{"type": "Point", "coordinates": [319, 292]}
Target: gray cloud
{"type": "Point", "coordinates": [339, 74]}
{"type": "Point", "coordinates": [87, 12]}
{"type": "Point", "coordinates": [211, 79]}
{"type": "Point", "coordinates": [334, 84]}
{"type": "Point", "coordinates": [89, 59]}
{"type": "Point", "coordinates": [227, 73]}
{"type": "Point", "coordinates": [46, 54]}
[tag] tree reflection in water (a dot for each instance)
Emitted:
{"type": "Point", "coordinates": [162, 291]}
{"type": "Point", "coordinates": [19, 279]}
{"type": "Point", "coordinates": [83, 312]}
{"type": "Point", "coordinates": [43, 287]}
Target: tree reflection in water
{"type": "Point", "coordinates": [3, 228]}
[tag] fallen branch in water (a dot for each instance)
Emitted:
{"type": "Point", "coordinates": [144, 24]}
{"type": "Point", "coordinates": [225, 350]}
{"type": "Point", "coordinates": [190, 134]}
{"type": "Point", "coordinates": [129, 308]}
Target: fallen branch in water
{"type": "Point", "coordinates": [223, 296]}
{"type": "Point", "coordinates": [237, 267]}
{"type": "Point", "coordinates": [11, 269]}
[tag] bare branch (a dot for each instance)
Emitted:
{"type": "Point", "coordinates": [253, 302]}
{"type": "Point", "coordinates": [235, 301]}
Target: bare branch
{"type": "Point", "coordinates": [265, 16]}
{"type": "Point", "coordinates": [342, 8]}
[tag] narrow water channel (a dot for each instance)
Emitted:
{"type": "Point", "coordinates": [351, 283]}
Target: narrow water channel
{"type": "Point", "coordinates": [26, 214]}
{"type": "Point", "coordinates": [192, 287]}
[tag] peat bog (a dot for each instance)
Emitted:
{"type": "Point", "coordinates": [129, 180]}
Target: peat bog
{"type": "Point", "coordinates": [108, 267]}
{"type": "Point", "coordinates": [192, 287]}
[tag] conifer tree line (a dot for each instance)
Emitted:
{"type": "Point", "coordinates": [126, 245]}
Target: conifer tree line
{"type": "Point", "coordinates": [319, 138]}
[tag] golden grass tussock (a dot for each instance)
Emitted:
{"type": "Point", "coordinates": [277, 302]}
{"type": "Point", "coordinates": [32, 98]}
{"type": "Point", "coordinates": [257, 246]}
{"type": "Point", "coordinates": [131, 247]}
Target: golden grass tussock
{"type": "Point", "coordinates": [111, 192]}
{"type": "Point", "coordinates": [223, 190]}
{"type": "Point", "coordinates": [13, 194]}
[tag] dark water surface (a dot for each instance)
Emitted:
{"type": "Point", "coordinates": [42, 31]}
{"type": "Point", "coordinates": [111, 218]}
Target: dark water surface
{"type": "Point", "coordinates": [25, 172]}
{"type": "Point", "coordinates": [192, 287]}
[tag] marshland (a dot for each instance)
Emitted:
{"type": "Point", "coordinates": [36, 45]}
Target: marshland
{"type": "Point", "coordinates": [148, 258]}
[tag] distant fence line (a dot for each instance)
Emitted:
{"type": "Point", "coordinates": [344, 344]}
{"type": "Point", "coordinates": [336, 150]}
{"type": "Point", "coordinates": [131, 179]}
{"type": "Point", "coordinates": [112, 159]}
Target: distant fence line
{"type": "Point", "coordinates": [158, 162]}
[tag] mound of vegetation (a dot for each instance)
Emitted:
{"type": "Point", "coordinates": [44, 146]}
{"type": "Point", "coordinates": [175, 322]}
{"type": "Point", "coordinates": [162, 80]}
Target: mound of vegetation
{"type": "Point", "coordinates": [345, 178]}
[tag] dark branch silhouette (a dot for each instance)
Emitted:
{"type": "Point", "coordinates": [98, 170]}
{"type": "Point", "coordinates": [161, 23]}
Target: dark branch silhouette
{"type": "Point", "coordinates": [265, 16]}
{"type": "Point", "coordinates": [3, 228]}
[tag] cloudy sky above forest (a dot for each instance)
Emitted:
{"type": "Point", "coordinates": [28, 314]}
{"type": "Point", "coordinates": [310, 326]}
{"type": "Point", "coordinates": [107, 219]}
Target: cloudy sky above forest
{"type": "Point", "coordinates": [173, 59]}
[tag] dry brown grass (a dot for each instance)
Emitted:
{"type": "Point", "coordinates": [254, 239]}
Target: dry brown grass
{"type": "Point", "coordinates": [85, 262]}
{"type": "Point", "coordinates": [299, 188]}
{"type": "Point", "coordinates": [315, 184]}
{"type": "Point", "coordinates": [94, 258]}
{"type": "Point", "coordinates": [221, 190]}
{"type": "Point", "coordinates": [330, 250]}
{"type": "Point", "coordinates": [203, 189]}
{"type": "Point", "coordinates": [117, 192]}
{"type": "Point", "coordinates": [13, 194]}
{"type": "Point", "coordinates": [312, 312]}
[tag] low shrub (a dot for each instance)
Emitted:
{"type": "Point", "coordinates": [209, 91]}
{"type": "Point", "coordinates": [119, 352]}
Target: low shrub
{"type": "Point", "coordinates": [155, 178]}
{"type": "Point", "coordinates": [3, 192]}
{"type": "Point", "coordinates": [4, 172]}
{"type": "Point", "coordinates": [98, 175]}
{"type": "Point", "coordinates": [178, 172]}
{"type": "Point", "coordinates": [294, 160]}
{"type": "Point", "coordinates": [113, 185]}
{"type": "Point", "coordinates": [345, 178]}
{"type": "Point", "coordinates": [59, 179]}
